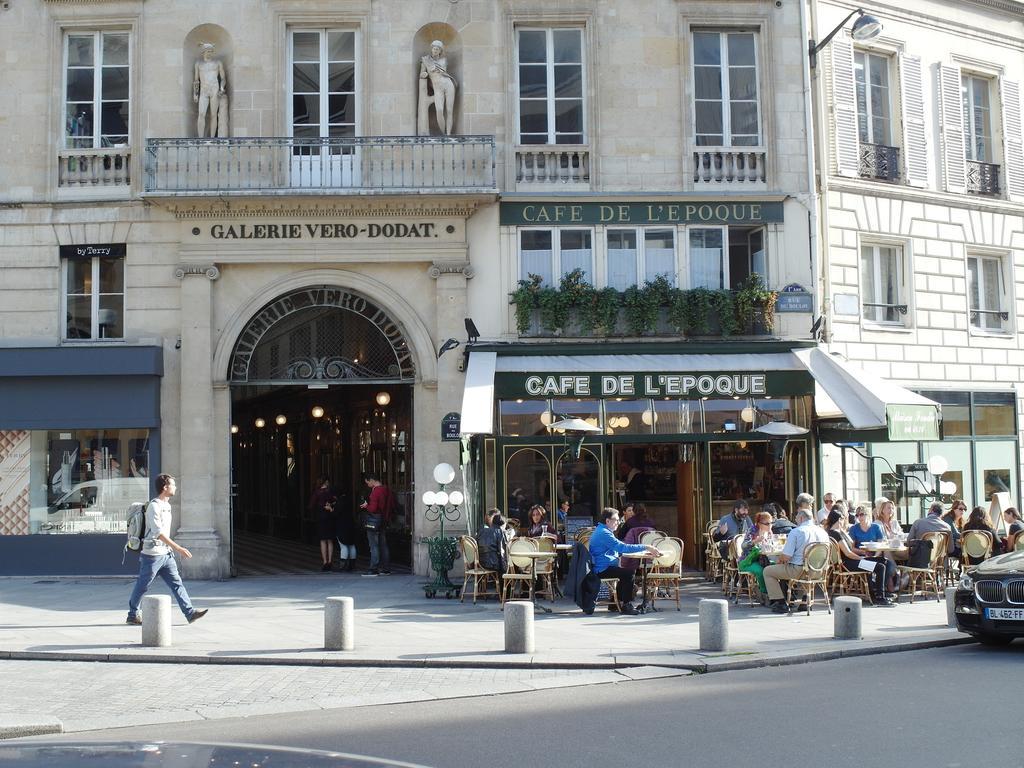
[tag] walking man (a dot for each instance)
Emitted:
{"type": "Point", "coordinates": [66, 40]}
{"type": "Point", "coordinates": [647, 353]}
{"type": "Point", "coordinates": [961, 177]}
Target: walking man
{"type": "Point", "coordinates": [378, 512]}
{"type": "Point", "coordinates": [157, 558]}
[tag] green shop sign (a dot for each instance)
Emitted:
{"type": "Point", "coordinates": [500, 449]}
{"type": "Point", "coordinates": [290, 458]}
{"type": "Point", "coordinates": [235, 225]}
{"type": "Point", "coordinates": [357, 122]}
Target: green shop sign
{"type": "Point", "coordinates": [673, 384]}
{"type": "Point", "coordinates": [912, 422]}
{"type": "Point", "coordinates": [682, 212]}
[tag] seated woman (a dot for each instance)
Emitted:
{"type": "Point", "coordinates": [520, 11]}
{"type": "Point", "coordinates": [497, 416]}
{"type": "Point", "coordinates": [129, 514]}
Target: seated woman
{"type": "Point", "coordinates": [852, 557]}
{"type": "Point", "coordinates": [758, 540]}
{"type": "Point", "coordinates": [864, 531]}
{"type": "Point", "coordinates": [1015, 526]}
{"type": "Point", "coordinates": [492, 544]}
{"type": "Point", "coordinates": [629, 533]}
{"type": "Point", "coordinates": [980, 521]}
{"type": "Point", "coordinates": [539, 525]}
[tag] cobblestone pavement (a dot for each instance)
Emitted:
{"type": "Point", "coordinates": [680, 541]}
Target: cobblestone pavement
{"type": "Point", "coordinates": [92, 695]}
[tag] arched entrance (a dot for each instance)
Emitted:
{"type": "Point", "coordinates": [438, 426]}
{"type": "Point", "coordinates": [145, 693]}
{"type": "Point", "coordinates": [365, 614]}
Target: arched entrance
{"type": "Point", "coordinates": [321, 386]}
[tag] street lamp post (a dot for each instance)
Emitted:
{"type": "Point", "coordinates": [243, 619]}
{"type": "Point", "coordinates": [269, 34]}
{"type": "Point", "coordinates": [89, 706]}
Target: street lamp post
{"type": "Point", "coordinates": [865, 28]}
{"type": "Point", "coordinates": [440, 506]}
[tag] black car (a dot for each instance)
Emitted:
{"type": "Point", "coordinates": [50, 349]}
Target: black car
{"type": "Point", "coordinates": [990, 600]}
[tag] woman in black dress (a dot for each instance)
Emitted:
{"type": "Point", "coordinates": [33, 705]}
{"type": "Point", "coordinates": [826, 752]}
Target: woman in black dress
{"type": "Point", "coordinates": [322, 504]}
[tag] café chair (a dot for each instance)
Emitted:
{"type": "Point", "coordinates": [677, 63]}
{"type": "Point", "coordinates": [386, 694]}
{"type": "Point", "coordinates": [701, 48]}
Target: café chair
{"type": "Point", "coordinates": [927, 579]}
{"type": "Point", "coordinates": [651, 536]}
{"type": "Point", "coordinates": [712, 557]}
{"type": "Point", "coordinates": [475, 571]}
{"type": "Point", "coordinates": [544, 570]}
{"type": "Point", "coordinates": [730, 569]}
{"type": "Point", "coordinates": [1018, 545]}
{"type": "Point", "coordinates": [975, 548]}
{"type": "Point", "coordinates": [520, 569]}
{"type": "Point", "coordinates": [848, 582]}
{"type": "Point", "coordinates": [666, 571]}
{"type": "Point", "coordinates": [583, 536]}
{"type": "Point", "coordinates": [611, 583]}
{"type": "Point", "coordinates": [745, 580]}
{"type": "Point", "coordinates": [814, 575]}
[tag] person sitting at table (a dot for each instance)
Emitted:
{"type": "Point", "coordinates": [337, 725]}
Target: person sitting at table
{"type": "Point", "coordinates": [852, 557]}
{"type": "Point", "coordinates": [493, 544]}
{"type": "Point", "coordinates": [734, 524]}
{"type": "Point", "coordinates": [604, 552]}
{"type": "Point", "coordinates": [1015, 526]}
{"type": "Point", "coordinates": [933, 522]}
{"type": "Point", "coordinates": [979, 520]}
{"type": "Point", "coordinates": [885, 516]}
{"type": "Point", "coordinates": [791, 560]}
{"type": "Point", "coordinates": [782, 523]}
{"type": "Point", "coordinates": [634, 528]}
{"type": "Point", "coordinates": [627, 514]}
{"type": "Point", "coordinates": [761, 539]}
{"type": "Point", "coordinates": [864, 528]}
{"type": "Point", "coordinates": [539, 525]}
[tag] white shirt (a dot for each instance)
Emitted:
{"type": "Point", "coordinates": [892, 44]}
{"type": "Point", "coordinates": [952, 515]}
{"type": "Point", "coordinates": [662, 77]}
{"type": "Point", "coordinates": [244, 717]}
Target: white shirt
{"type": "Point", "coordinates": [821, 515]}
{"type": "Point", "coordinates": [158, 520]}
{"type": "Point", "coordinates": [798, 539]}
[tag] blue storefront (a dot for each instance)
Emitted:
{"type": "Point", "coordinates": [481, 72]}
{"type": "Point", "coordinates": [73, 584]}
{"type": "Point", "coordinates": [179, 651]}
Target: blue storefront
{"type": "Point", "coordinates": [79, 442]}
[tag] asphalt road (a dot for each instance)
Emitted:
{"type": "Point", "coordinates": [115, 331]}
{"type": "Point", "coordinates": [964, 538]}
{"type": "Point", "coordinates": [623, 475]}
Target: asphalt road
{"type": "Point", "coordinates": [940, 708]}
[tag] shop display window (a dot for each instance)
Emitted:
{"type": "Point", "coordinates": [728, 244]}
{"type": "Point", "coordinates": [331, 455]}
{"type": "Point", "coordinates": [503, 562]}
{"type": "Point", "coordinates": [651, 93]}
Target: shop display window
{"type": "Point", "coordinates": [676, 417]}
{"type": "Point", "coordinates": [993, 413]}
{"type": "Point", "coordinates": [588, 410]}
{"type": "Point", "coordinates": [521, 418]}
{"type": "Point", "coordinates": [72, 481]}
{"type": "Point", "coordinates": [628, 417]}
{"type": "Point", "coordinates": [724, 416]}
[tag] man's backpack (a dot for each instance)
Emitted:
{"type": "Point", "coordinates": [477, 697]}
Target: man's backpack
{"type": "Point", "coordinates": [136, 528]}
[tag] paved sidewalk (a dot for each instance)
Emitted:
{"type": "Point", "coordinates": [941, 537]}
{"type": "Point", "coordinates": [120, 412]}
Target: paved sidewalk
{"type": "Point", "coordinates": [280, 620]}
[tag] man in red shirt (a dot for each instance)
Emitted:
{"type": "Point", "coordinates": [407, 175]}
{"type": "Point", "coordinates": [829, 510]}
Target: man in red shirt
{"type": "Point", "coordinates": [378, 512]}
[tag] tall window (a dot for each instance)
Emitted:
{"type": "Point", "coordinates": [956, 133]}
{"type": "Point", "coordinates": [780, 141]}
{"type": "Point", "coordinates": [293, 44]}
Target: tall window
{"type": "Point", "coordinates": [323, 83]}
{"type": "Point", "coordinates": [550, 70]}
{"type": "Point", "coordinates": [96, 89]}
{"type": "Point", "coordinates": [882, 284]}
{"type": "Point", "coordinates": [977, 119]}
{"type": "Point", "coordinates": [871, 73]}
{"type": "Point", "coordinates": [725, 89]}
{"type": "Point", "coordinates": [707, 258]}
{"type": "Point", "coordinates": [552, 253]}
{"type": "Point", "coordinates": [94, 297]}
{"type": "Point", "coordinates": [636, 256]}
{"type": "Point", "coordinates": [986, 289]}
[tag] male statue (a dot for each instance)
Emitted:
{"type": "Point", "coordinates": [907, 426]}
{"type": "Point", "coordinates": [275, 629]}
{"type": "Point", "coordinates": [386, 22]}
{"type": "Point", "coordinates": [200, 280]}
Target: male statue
{"type": "Point", "coordinates": [434, 69]}
{"type": "Point", "coordinates": [209, 85]}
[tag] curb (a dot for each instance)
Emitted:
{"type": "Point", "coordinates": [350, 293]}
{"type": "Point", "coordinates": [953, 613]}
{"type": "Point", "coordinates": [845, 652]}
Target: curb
{"type": "Point", "coordinates": [714, 663]}
{"type": "Point", "coordinates": [14, 726]}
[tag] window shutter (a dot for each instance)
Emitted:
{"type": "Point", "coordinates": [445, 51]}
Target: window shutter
{"type": "Point", "coordinates": [844, 108]}
{"type": "Point", "coordinates": [1013, 151]}
{"type": "Point", "coordinates": [951, 108]}
{"type": "Point", "coordinates": [915, 140]}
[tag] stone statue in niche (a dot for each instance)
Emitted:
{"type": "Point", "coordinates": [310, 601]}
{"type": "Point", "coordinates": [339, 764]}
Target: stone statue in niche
{"type": "Point", "coordinates": [438, 86]}
{"type": "Point", "coordinates": [209, 92]}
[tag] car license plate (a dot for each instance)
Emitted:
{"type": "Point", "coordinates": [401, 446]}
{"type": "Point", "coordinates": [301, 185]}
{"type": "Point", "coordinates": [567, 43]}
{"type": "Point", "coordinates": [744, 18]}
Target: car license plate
{"type": "Point", "coordinates": [1011, 614]}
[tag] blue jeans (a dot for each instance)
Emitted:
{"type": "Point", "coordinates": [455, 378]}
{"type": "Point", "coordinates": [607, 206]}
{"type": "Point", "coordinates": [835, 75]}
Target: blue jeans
{"type": "Point", "coordinates": [165, 566]}
{"type": "Point", "coordinates": [380, 558]}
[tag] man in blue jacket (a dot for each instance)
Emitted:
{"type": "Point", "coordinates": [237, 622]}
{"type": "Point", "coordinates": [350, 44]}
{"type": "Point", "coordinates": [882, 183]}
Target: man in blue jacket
{"type": "Point", "coordinates": [605, 550]}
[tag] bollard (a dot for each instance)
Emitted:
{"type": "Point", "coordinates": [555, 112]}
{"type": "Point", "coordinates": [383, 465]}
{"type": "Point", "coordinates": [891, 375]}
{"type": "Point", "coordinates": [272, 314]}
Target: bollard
{"type": "Point", "coordinates": [846, 617]}
{"type": "Point", "coordinates": [156, 620]}
{"type": "Point", "coordinates": [339, 624]}
{"type": "Point", "coordinates": [519, 626]}
{"type": "Point", "coordinates": [714, 625]}
{"type": "Point", "coordinates": [950, 606]}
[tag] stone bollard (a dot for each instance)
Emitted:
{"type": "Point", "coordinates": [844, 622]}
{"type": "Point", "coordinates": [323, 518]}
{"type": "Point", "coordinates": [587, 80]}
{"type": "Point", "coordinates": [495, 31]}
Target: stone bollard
{"type": "Point", "coordinates": [714, 625]}
{"type": "Point", "coordinates": [339, 624]}
{"type": "Point", "coordinates": [950, 606]}
{"type": "Point", "coordinates": [519, 626]}
{"type": "Point", "coordinates": [156, 620]}
{"type": "Point", "coordinates": [846, 615]}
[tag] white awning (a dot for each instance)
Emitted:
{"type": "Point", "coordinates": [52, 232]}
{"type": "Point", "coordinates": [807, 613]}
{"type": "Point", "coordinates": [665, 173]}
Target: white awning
{"type": "Point", "coordinates": [844, 390]}
{"type": "Point", "coordinates": [478, 397]}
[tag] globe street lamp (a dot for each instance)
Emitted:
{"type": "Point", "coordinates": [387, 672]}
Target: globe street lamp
{"type": "Point", "coordinates": [865, 28]}
{"type": "Point", "coordinates": [442, 505]}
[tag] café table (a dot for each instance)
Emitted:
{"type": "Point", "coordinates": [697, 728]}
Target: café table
{"type": "Point", "coordinates": [883, 546]}
{"type": "Point", "coordinates": [644, 558]}
{"type": "Point", "coordinates": [536, 557]}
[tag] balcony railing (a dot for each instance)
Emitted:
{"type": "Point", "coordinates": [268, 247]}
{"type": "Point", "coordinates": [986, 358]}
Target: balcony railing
{"type": "Point", "coordinates": [553, 164]}
{"type": "Point", "coordinates": [982, 178]}
{"type": "Point", "coordinates": [92, 168]}
{"type": "Point", "coordinates": [717, 165]}
{"type": "Point", "coordinates": [336, 165]}
{"type": "Point", "coordinates": [878, 161]}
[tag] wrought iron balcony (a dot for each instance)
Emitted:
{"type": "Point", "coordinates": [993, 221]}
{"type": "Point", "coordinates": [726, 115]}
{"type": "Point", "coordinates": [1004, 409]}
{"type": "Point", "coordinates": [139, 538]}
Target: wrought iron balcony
{"type": "Point", "coordinates": [320, 166]}
{"type": "Point", "coordinates": [717, 165]}
{"type": "Point", "coordinates": [878, 161]}
{"type": "Point", "coordinates": [982, 178]}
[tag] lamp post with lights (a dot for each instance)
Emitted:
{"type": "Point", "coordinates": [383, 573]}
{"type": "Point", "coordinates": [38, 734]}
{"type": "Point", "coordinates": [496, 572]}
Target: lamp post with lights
{"type": "Point", "coordinates": [440, 506]}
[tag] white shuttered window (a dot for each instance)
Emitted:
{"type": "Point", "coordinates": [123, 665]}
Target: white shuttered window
{"type": "Point", "coordinates": [915, 142]}
{"type": "Point", "coordinates": [951, 110]}
{"type": "Point", "coordinates": [844, 108]}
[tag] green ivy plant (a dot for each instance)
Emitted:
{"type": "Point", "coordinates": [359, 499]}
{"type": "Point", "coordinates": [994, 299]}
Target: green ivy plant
{"type": "Point", "coordinates": [525, 299]}
{"type": "Point", "coordinates": [643, 303]}
{"type": "Point", "coordinates": [723, 305]}
{"type": "Point", "coordinates": [600, 312]}
{"type": "Point", "coordinates": [755, 302]}
{"type": "Point", "coordinates": [690, 311]}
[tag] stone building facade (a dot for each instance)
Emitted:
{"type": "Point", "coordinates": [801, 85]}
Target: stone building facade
{"type": "Point", "coordinates": [922, 178]}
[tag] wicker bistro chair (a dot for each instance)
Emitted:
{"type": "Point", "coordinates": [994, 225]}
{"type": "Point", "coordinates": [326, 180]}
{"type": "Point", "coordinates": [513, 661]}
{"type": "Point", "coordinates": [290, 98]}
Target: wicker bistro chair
{"type": "Point", "coordinates": [1018, 544]}
{"type": "Point", "coordinates": [611, 584]}
{"type": "Point", "coordinates": [475, 571]}
{"type": "Point", "coordinates": [666, 572]}
{"type": "Point", "coordinates": [544, 570]}
{"type": "Point", "coordinates": [712, 557]}
{"type": "Point", "coordinates": [730, 570]}
{"type": "Point", "coordinates": [929, 578]}
{"type": "Point", "coordinates": [649, 537]}
{"type": "Point", "coordinates": [520, 569]}
{"type": "Point", "coordinates": [844, 581]}
{"type": "Point", "coordinates": [745, 581]}
{"type": "Point", "coordinates": [975, 546]}
{"type": "Point", "coordinates": [817, 559]}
